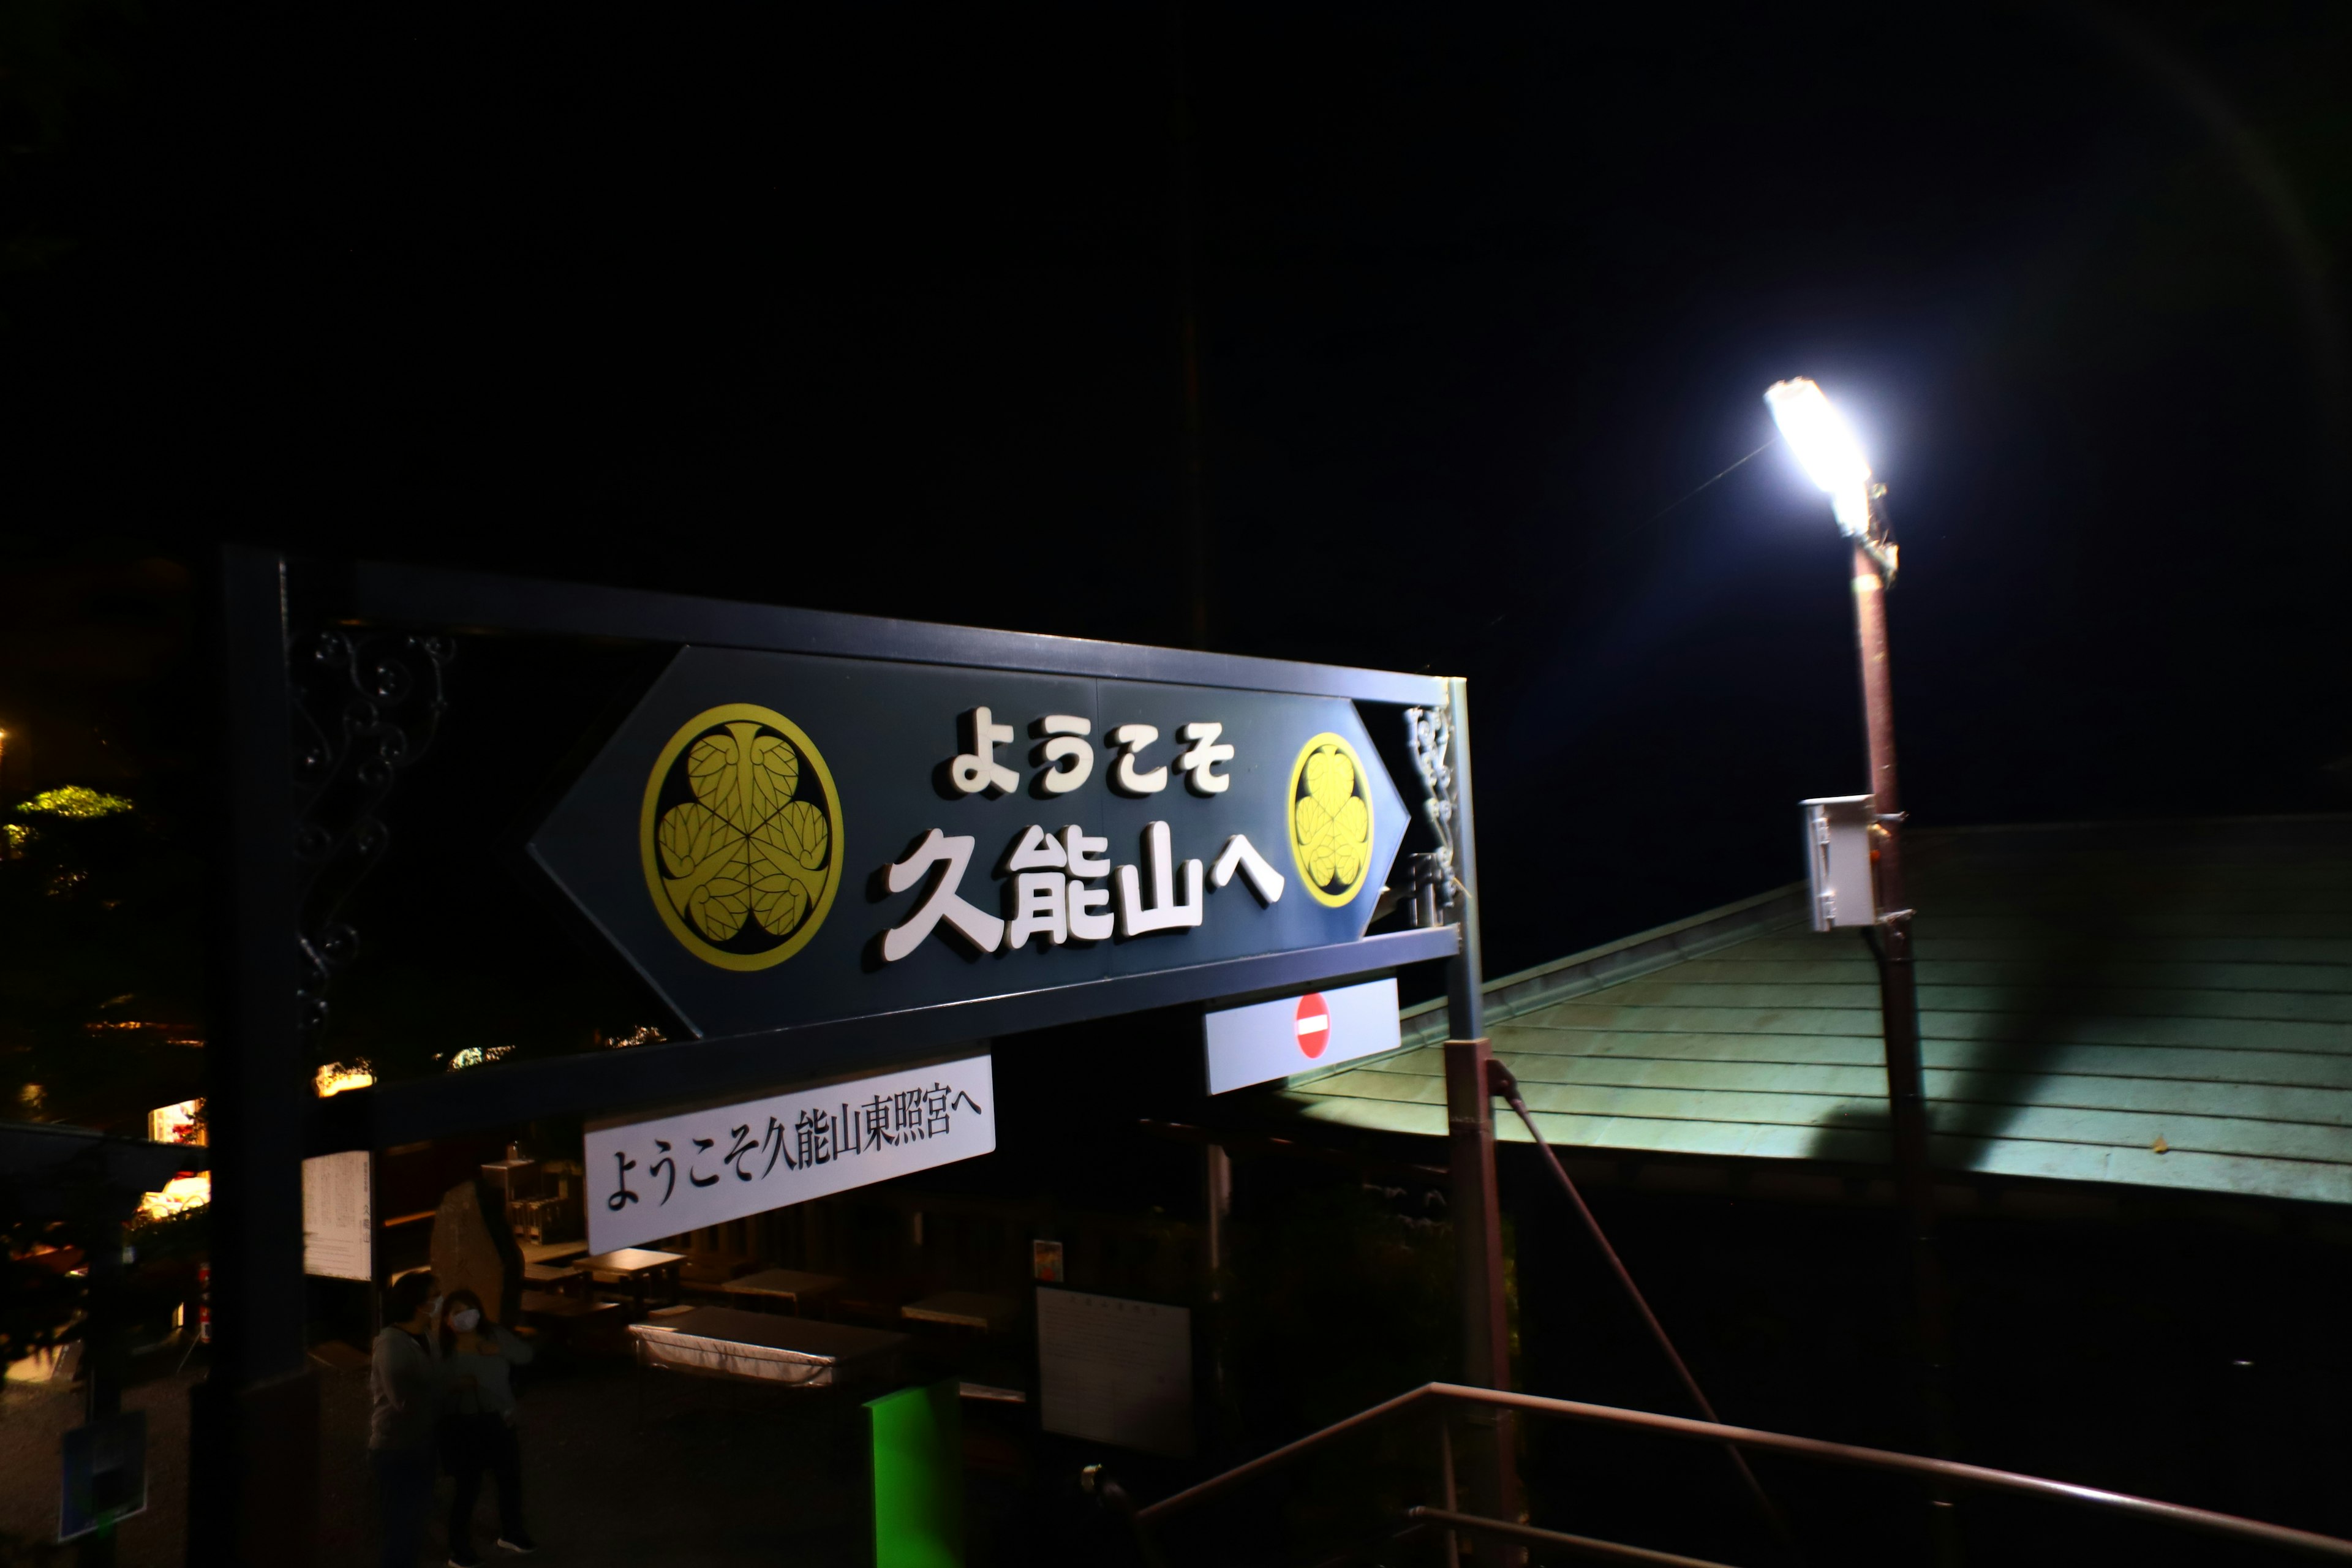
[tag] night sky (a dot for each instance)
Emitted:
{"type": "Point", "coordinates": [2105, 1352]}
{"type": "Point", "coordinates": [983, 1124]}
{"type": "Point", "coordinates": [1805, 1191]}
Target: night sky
{"type": "Point", "coordinates": [880, 309]}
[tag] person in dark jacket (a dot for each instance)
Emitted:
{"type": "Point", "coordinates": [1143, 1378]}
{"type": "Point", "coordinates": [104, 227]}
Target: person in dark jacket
{"type": "Point", "coordinates": [477, 1423]}
{"type": "Point", "coordinates": [404, 1398]}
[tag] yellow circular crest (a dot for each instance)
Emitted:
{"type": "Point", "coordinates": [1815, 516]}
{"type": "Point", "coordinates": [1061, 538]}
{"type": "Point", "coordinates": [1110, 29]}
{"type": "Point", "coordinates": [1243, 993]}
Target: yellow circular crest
{"type": "Point", "coordinates": [1330, 819]}
{"type": "Point", "coordinates": [741, 837]}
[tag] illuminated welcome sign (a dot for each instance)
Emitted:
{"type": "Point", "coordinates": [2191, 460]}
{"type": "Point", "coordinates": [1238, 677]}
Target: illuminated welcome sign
{"type": "Point", "coordinates": [778, 839]}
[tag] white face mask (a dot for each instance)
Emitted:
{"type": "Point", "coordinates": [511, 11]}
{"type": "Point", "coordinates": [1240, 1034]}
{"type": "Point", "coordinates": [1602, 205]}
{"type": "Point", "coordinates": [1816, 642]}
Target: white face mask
{"type": "Point", "coordinates": [463, 1319]}
{"type": "Point", "coordinates": [433, 1309]}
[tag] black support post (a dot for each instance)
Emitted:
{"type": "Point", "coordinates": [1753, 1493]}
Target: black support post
{"type": "Point", "coordinates": [1473, 1200]}
{"type": "Point", "coordinates": [253, 1491]}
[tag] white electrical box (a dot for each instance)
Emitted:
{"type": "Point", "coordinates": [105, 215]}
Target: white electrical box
{"type": "Point", "coordinates": [1837, 861]}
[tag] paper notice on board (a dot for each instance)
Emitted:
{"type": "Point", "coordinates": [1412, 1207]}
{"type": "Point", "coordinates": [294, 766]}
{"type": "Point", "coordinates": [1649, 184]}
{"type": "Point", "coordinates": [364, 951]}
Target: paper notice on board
{"type": "Point", "coordinates": [1115, 1371]}
{"type": "Point", "coordinates": [338, 1216]}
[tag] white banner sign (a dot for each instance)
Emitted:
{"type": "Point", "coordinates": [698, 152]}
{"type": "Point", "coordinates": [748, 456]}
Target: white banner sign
{"type": "Point", "coordinates": [1114, 1371]}
{"type": "Point", "coordinates": [651, 1179]}
{"type": "Point", "coordinates": [337, 1228]}
{"type": "Point", "coordinates": [1298, 1034]}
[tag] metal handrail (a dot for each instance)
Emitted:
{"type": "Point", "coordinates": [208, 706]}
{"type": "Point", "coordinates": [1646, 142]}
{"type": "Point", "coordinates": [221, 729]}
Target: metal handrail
{"type": "Point", "coordinates": [1581, 1545]}
{"type": "Point", "coordinates": [1951, 1471]}
{"type": "Point", "coordinates": [1178, 1501]}
{"type": "Point", "coordinates": [1501, 1082]}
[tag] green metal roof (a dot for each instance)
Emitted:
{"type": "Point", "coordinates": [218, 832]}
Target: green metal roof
{"type": "Point", "coordinates": [2085, 991]}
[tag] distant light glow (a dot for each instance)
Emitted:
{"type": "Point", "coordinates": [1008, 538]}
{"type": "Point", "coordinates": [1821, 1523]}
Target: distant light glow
{"type": "Point", "coordinates": [177, 1196]}
{"type": "Point", "coordinates": [1826, 447]}
{"type": "Point", "coordinates": [337, 1077]}
{"type": "Point", "coordinates": [175, 1123]}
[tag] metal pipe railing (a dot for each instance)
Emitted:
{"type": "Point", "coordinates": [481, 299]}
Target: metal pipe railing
{"type": "Point", "coordinates": [1177, 1502]}
{"type": "Point", "coordinates": [1949, 1471]}
{"type": "Point", "coordinates": [1505, 1084]}
{"type": "Point", "coordinates": [1581, 1545]}
{"type": "Point", "coordinates": [1365, 1551]}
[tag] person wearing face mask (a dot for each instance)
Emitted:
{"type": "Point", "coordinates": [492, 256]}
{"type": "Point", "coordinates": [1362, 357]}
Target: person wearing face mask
{"type": "Point", "coordinates": [402, 1404]}
{"type": "Point", "coordinates": [477, 1423]}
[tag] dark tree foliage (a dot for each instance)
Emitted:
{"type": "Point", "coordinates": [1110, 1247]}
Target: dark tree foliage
{"type": "Point", "coordinates": [101, 955]}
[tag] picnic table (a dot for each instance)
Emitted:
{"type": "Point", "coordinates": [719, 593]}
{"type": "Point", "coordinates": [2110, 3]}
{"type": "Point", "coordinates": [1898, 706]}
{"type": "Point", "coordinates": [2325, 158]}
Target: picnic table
{"type": "Point", "coordinates": [551, 1251]}
{"type": "Point", "coordinates": [635, 1267]}
{"type": "Point", "coordinates": [554, 1277]}
{"type": "Point", "coordinates": [790, 1286]}
{"type": "Point", "coordinates": [579, 1321]}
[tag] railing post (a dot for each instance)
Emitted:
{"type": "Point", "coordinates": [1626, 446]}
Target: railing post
{"type": "Point", "coordinates": [1478, 1215]}
{"type": "Point", "coordinates": [1446, 1479]}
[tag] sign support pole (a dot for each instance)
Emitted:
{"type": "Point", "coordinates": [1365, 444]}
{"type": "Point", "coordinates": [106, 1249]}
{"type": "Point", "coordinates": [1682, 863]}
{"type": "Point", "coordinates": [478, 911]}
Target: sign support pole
{"type": "Point", "coordinates": [253, 1450]}
{"type": "Point", "coordinates": [1475, 1201]}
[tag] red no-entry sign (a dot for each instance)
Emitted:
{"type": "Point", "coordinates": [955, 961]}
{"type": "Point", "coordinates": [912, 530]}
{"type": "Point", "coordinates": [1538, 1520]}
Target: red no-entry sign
{"type": "Point", "coordinates": [1314, 1025]}
{"type": "Point", "coordinates": [1268, 1040]}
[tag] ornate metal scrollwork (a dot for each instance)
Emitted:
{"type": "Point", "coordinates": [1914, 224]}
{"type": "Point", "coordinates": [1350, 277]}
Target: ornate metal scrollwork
{"type": "Point", "coordinates": [366, 706]}
{"type": "Point", "coordinates": [1432, 735]}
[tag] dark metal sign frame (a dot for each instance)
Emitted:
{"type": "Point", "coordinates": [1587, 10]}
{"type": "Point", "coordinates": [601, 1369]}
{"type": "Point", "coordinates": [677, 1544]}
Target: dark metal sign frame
{"type": "Point", "coordinates": [290, 815]}
{"type": "Point", "coordinates": [431, 601]}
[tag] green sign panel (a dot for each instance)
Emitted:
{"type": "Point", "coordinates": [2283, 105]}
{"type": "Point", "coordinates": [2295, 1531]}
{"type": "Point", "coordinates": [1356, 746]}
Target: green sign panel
{"type": "Point", "coordinates": [915, 1438]}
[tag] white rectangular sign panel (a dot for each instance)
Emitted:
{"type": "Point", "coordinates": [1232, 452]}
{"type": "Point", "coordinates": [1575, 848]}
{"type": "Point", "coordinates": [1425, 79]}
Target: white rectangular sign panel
{"type": "Point", "coordinates": [338, 1219]}
{"type": "Point", "coordinates": [654, 1178]}
{"type": "Point", "coordinates": [1298, 1034]}
{"type": "Point", "coordinates": [1113, 1370]}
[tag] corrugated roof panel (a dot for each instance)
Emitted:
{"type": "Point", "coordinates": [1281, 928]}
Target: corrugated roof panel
{"type": "Point", "coordinates": [1949, 992]}
{"type": "Point", "coordinates": [2084, 992]}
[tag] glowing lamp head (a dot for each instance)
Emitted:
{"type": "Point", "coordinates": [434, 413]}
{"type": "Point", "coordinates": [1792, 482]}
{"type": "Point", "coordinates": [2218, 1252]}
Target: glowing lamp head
{"type": "Point", "coordinates": [1826, 448]}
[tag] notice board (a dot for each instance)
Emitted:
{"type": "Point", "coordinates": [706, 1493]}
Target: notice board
{"type": "Point", "coordinates": [338, 1216]}
{"type": "Point", "coordinates": [1115, 1371]}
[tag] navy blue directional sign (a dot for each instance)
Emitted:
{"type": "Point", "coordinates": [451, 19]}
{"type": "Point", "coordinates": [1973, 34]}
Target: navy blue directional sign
{"type": "Point", "coordinates": [779, 839]}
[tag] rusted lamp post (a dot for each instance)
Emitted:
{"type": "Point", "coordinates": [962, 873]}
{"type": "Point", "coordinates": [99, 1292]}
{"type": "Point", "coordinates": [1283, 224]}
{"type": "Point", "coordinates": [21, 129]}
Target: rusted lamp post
{"type": "Point", "coordinates": [1826, 448]}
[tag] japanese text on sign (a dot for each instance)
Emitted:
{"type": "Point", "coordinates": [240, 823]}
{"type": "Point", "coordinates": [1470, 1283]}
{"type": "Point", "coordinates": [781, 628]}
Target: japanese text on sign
{"type": "Point", "coordinates": [659, 1177]}
{"type": "Point", "coordinates": [1062, 884]}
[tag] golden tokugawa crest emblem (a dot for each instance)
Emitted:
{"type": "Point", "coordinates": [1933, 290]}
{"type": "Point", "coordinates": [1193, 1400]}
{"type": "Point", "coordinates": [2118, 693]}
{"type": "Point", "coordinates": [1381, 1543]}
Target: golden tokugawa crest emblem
{"type": "Point", "coordinates": [1330, 819]}
{"type": "Point", "coordinates": [741, 837]}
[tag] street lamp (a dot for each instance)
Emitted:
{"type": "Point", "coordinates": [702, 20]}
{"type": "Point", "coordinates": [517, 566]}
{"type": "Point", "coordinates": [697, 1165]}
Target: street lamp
{"type": "Point", "coordinates": [1824, 444]}
{"type": "Point", "coordinates": [1830, 456]}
